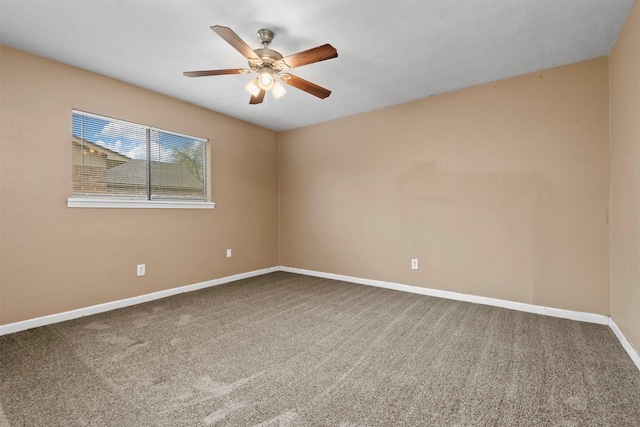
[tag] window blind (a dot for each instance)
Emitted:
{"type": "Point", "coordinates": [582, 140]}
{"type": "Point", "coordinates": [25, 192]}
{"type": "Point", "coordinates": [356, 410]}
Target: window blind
{"type": "Point", "coordinates": [115, 158]}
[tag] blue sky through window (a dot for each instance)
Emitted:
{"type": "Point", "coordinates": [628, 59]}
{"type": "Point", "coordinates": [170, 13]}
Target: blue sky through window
{"type": "Point", "coordinates": [129, 139]}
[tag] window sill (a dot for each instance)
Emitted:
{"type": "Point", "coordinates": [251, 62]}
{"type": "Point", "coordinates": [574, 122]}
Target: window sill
{"type": "Point", "coordinates": [79, 202]}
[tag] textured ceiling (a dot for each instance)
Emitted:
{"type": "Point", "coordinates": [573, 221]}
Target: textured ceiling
{"type": "Point", "coordinates": [390, 52]}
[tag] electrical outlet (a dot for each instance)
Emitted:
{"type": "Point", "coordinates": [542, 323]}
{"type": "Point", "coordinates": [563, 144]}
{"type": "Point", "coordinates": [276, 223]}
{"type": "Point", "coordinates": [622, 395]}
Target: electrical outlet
{"type": "Point", "coordinates": [141, 269]}
{"type": "Point", "coordinates": [228, 253]}
{"type": "Point", "coordinates": [414, 264]}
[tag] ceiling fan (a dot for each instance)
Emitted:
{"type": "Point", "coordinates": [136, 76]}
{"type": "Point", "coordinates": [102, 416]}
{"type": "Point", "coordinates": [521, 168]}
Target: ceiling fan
{"type": "Point", "coordinates": [269, 65]}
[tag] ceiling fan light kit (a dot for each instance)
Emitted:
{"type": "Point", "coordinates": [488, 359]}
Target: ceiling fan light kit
{"type": "Point", "coordinates": [268, 64]}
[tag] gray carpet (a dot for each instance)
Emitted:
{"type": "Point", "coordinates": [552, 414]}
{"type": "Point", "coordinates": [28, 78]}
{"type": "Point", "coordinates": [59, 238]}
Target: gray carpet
{"type": "Point", "coordinates": [290, 350]}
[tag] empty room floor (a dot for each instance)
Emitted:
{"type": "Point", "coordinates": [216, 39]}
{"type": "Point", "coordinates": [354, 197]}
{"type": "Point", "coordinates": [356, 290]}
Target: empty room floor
{"type": "Point", "coordinates": [286, 349]}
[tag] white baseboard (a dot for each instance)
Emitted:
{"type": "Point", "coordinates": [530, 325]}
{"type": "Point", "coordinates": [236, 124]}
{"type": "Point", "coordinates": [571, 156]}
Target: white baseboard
{"type": "Point", "coordinates": [100, 308]}
{"type": "Point", "coordinates": [626, 344]}
{"type": "Point", "coordinates": [529, 308]}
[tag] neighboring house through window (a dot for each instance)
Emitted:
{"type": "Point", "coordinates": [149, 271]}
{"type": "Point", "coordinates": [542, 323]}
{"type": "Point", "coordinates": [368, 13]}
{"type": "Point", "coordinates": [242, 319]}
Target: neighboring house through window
{"type": "Point", "coordinates": [114, 161]}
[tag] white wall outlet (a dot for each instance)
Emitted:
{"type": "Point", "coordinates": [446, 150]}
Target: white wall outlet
{"type": "Point", "coordinates": [228, 253]}
{"type": "Point", "coordinates": [141, 269]}
{"type": "Point", "coordinates": [414, 264]}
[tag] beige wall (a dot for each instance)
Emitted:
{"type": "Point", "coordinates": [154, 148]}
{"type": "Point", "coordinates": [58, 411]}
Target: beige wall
{"type": "Point", "coordinates": [54, 258]}
{"type": "Point", "coordinates": [499, 190]}
{"type": "Point", "coordinates": [625, 178]}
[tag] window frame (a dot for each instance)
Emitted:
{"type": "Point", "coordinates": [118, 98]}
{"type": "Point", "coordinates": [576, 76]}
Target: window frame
{"type": "Point", "coordinates": [84, 200]}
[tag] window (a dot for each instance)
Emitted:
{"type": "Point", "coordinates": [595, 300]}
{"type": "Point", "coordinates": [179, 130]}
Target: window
{"type": "Point", "coordinates": [121, 164]}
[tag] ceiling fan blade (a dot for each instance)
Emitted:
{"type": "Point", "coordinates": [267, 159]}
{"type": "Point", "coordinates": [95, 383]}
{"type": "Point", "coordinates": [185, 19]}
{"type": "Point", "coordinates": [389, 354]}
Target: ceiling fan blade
{"type": "Point", "coordinates": [317, 54]}
{"type": "Point", "coordinates": [259, 98]}
{"type": "Point", "coordinates": [234, 40]}
{"type": "Point", "coordinates": [305, 85]}
{"type": "Point", "coordinates": [205, 73]}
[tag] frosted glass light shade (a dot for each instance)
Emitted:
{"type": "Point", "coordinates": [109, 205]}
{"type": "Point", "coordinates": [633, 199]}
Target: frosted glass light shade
{"type": "Point", "coordinates": [265, 79]}
{"type": "Point", "coordinates": [278, 90]}
{"type": "Point", "coordinates": [253, 87]}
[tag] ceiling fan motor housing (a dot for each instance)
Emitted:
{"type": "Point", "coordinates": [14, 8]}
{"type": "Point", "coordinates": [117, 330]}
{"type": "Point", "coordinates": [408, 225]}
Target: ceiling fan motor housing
{"type": "Point", "coordinates": [268, 55]}
{"type": "Point", "coordinates": [269, 59]}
